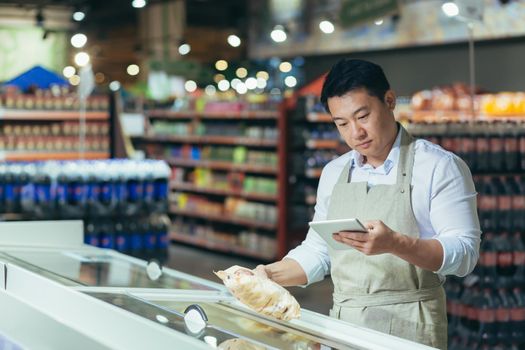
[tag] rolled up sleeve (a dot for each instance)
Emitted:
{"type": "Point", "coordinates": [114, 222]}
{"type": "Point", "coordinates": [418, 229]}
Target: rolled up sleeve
{"type": "Point", "coordinates": [454, 216]}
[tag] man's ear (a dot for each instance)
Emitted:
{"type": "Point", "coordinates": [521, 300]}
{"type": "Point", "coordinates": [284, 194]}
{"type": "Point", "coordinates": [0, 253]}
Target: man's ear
{"type": "Point", "coordinates": [390, 99]}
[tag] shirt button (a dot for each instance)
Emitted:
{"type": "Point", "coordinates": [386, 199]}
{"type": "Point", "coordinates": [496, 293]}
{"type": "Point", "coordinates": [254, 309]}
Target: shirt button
{"type": "Point", "coordinates": [402, 191]}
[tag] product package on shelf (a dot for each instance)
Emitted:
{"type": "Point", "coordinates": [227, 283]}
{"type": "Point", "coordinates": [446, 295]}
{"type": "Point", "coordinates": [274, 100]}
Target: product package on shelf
{"type": "Point", "coordinates": [109, 195]}
{"type": "Point", "coordinates": [45, 125]}
{"type": "Point", "coordinates": [224, 156]}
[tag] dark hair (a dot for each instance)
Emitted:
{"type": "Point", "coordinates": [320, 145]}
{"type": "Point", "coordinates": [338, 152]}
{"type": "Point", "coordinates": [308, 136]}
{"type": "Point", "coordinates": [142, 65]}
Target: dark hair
{"type": "Point", "coordinates": [350, 74]}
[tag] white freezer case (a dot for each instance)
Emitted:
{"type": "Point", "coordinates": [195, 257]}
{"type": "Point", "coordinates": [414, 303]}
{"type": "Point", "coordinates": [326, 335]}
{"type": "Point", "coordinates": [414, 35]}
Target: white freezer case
{"type": "Point", "coordinates": [106, 298]}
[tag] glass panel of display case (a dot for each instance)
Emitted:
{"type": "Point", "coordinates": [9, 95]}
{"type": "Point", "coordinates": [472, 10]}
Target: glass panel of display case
{"type": "Point", "coordinates": [96, 269]}
{"type": "Point", "coordinates": [224, 325]}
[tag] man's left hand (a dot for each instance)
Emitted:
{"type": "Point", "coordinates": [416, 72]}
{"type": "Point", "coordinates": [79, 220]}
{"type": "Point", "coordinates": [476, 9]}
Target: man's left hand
{"type": "Point", "coordinates": [379, 239]}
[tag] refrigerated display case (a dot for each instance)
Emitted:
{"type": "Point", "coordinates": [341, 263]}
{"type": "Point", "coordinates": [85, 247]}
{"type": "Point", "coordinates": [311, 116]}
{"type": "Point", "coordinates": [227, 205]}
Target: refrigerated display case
{"type": "Point", "coordinates": [121, 302]}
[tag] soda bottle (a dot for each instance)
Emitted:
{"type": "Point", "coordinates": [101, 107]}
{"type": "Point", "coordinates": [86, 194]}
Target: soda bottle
{"type": "Point", "coordinates": [149, 236]}
{"type": "Point", "coordinates": [518, 257]}
{"type": "Point", "coordinates": [504, 194]}
{"type": "Point", "coordinates": [518, 203]}
{"type": "Point", "coordinates": [486, 307]}
{"type": "Point", "coordinates": [522, 151]}
{"type": "Point", "coordinates": [482, 149]}
{"type": "Point", "coordinates": [505, 267]}
{"type": "Point", "coordinates": [496, 149]}
{"type": "Point", "coordinates": [122, 238]}
{"type": "Point", "coordinates": [91, 235]}
{"type": "Point", "coordinates": [504, 305]}
{"type": "Point", "coordinates": [517, 316]}
{"type": "Point", "coordinates": [511, 148]}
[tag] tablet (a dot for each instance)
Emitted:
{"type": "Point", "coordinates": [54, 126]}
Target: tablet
{"type": "Point", "coordinates": [326, 228]}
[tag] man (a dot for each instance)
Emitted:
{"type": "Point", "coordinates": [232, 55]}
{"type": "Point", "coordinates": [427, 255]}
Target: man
{"type": "Point", "coordinates": [417, 201]}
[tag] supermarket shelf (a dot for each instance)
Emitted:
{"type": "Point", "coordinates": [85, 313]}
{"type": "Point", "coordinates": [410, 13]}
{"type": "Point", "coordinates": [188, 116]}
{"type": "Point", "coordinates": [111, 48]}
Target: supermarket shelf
{"type": "Point", "coordinates": [254, 115]}
{"type": "Point", "coordinates": [314, 173]}
{"type": "Point", "coordinates": [322, 144]}
{"type": "Point", "coordinates": [12, 217]}
{"type": "Point", "coordinates": [212, 139]}
{"type": "Point", "coordinates": [319, 117]}
{"type": "Point", "coordinates": [217, 246]}
{"type": "Point", "coordinates": [443, 116]}
{"type": "Point", "coordinates": [223, 218]}
{"type": "Point", "coordinates": [21, 114]}
{"type": "Point", "coordinates": [222, 165]}
{"type": "Point", "coordinates": [223, 192]}
{"type": "Point", "coordinates": [32, 156]}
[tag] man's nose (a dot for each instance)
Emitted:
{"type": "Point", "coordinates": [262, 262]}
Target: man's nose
{"type": "Point", "coordinates": [357, 132]}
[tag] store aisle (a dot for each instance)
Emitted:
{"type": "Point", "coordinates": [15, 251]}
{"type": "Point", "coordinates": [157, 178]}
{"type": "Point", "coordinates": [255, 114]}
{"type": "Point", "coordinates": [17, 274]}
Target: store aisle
{"type": "Point", "coordinates": [202, 263]}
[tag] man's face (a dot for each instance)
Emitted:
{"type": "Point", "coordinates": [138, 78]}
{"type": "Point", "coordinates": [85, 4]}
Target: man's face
{"type": "Point", "coordinates": [366, 123]}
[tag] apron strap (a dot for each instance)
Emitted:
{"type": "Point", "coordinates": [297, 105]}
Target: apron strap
{"type": "Point", "coordinates": [407, 151]}
{"type": "Point", "coordinates": [388, 298]}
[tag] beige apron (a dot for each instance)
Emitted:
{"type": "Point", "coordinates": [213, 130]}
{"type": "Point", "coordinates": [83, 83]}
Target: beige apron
{"type": "Point", "coordinates": [384, 292]}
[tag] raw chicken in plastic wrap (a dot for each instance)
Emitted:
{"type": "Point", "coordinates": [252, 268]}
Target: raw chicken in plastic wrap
{"type": "Point", "coordinates": [259, 293]}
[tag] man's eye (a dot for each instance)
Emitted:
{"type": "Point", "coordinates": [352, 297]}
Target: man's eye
{"type": "Point", "coordinates": [364, 116]}
{"type": "Point", "coordinates": [341, 125]}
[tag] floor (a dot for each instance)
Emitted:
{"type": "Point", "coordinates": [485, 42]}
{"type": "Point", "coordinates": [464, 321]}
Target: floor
{"type": "Point", "coordinates": [202, 263]}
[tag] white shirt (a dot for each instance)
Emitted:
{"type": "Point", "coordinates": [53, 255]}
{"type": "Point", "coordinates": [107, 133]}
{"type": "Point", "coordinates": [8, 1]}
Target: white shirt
{"type": "Point", "coordinates": [444, 204]}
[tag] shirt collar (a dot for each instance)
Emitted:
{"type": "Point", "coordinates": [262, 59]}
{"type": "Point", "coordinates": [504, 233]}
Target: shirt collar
{"type": "Point", "coordinates": [393, 157]}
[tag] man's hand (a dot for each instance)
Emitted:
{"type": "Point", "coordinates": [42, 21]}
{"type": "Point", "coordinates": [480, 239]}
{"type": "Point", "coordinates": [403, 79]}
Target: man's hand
{"type": "Point", "coordinates": [262, 271]}
{"type": "Point", "coordinates": [379, 239]}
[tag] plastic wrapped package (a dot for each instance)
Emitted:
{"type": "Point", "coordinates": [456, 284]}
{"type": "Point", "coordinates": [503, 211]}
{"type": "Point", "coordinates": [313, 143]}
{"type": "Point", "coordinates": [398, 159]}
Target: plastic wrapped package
{"type": "Point", "coordinates": [260, 294]}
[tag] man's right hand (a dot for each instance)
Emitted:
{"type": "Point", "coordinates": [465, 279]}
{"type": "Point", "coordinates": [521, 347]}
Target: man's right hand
{"type": "Point", "coordinates": [286, 272]}
{"type": "Point", "coordinates": [262, 271]}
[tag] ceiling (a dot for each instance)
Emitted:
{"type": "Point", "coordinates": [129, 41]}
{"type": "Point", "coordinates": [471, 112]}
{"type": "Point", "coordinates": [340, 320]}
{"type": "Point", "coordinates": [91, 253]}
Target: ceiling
{"type": "Point", "coordinates": [199, 13]}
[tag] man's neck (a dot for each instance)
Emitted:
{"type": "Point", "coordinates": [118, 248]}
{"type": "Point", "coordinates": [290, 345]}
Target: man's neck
{"type": "Point", "coordinates": [377, 162]}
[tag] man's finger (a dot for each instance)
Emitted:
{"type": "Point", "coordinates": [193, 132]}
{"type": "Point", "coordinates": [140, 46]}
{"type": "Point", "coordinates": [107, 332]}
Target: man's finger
{"type": "Point", "coordinates": [356, 236]}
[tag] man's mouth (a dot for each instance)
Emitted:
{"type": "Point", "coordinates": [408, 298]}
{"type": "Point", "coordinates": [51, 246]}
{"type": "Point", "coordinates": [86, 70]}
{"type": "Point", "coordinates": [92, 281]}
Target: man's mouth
{"type": "Point", "coordinates": [365, 144]}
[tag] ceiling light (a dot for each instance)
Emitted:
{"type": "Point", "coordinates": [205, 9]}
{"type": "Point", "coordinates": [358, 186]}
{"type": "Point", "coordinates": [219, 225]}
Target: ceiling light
{"type": "Point", "coordinates": [218, 77]}
{"type": "Point", "coordinates": [450, 9]}
{"type": "Point", "coordinates": [184, 49]}
{"type": "Point", "coordinates": [224, 85]}
{"type": "Point", "coordinates": [261, 83]}
{"type": "Point", "coordinates": [241, 72]}
{"type": "Point", "coordinates": [74, 80]}
{"type": "Point", "coordinates": [285, 67]}
{"type": "Point", "coordinates": [290, 81]}
{"type": "Point", "coordinates": [263, 75]}
{"type": "Point", "coordinates": [81, 59]}
{"type": "Point", "coordinates": [326, 27]}
{"type": "Point", "coordinates": [78, 40]}
{"type": "Point", "coordinates": [221, 65]}
{"type": "Point", "coordinates": [79, 16]}
{"type": "Point", "coordinates": [133, 69]}
{"type": "Point", "coordinates": [138, 4]}
{"type": "Point", "coordinates": [69, 71]}
{"type": "Point", "coordinates": [210, 90]}
{"type": "Point", "coordinates": [190, 86]}
{"type": "Point", "coordinates": [235, 82]}
{"type": "Point", "coordinates": [251, 83]}
{"type": "Point", "coordinates": [241, 88]}
{"type": "Point", "coordinates": [114, 85]}
{"type": "Point", "coordinates": [234, 40]}
{"type": "Point", "coordinates": [278, 34]}
{"type": "Point", "coordinates": [99, 78]}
